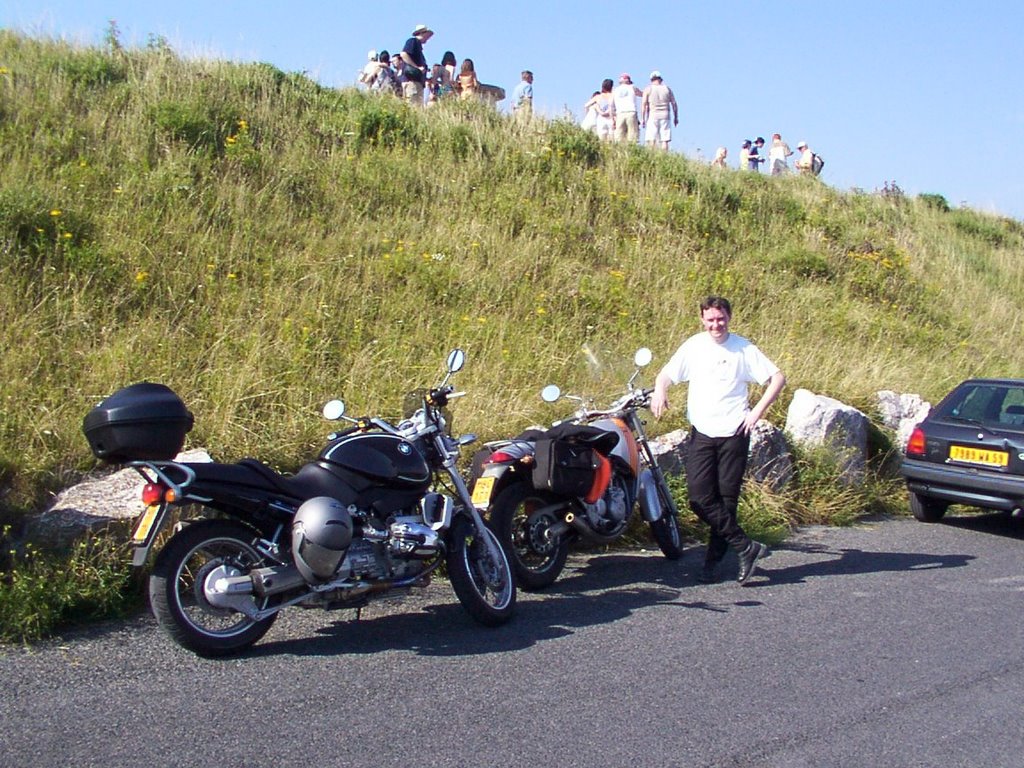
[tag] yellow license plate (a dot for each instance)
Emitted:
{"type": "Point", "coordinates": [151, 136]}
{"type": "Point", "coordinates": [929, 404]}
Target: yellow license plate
{"type": "Point", "coordinates": [980, 456]}
{"type": "Point", "coordinates": [145, 524]}
{"type": "Point", "coordinates": [482, 492]}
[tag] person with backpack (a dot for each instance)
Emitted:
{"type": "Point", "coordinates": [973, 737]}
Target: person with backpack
{"type": "Point", "coordinates": [809, 163]}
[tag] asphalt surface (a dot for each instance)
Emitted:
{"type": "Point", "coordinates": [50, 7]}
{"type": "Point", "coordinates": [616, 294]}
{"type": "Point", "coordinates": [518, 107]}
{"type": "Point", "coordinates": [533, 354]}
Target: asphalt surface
{"type": "Point", "coordinates": [892, 643]}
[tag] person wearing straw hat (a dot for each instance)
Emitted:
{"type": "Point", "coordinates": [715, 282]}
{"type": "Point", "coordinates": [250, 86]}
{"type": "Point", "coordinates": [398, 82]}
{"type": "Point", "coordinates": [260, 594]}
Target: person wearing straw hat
{"type": "Point", "coordinates": [415, 65]}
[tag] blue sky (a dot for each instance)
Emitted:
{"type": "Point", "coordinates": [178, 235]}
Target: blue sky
{"type": "Point", "coordinates": [924, 94]}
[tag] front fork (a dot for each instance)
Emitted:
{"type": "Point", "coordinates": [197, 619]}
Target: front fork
{"type": "Point", "coordinates": [467, 502]}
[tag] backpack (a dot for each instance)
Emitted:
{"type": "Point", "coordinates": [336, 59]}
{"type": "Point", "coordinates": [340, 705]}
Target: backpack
{"type": "Point", "coordinates": [816, 164]}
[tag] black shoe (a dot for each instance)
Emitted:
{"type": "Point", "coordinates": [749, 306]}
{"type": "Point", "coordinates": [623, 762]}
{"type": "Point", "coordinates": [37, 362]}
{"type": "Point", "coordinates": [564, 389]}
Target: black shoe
{"type": "Point", "coordinates": [749, 558]}
{"type": "Point", "coordinates": [709, 573]}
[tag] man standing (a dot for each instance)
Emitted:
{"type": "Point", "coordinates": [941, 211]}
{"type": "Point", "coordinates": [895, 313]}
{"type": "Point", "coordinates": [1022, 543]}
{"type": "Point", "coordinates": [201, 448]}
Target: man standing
{"type": "Point", "coordinates": [415, 65]}
{"type": "Point", "coordinates": [522, 97]}
{"type": "Point", "coordinates": [718, 366]}
{"type": "Point", "coordinates": [805, 164]}
{"type": "Point", "coordinates": [627, 125]}
{"type": "Point", "coordinates": [657, 107]}
{"type": "Point", "coordinates": [755, 158]}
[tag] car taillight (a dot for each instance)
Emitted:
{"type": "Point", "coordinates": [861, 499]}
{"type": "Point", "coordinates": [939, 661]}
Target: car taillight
{"type": "Point", "coordinates": [915, 445]}
{"type": "Point", "coordinates": [153, 493]}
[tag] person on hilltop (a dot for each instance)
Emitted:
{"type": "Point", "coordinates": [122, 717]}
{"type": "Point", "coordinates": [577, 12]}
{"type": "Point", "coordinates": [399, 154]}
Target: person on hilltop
{"type": "Point", "coordinates": [468, 85]}
{"type": "Point", "coordinates": [369, 71]}
{"type": "Point", "coordinates": [657, 108]}
{"type": "Point", "coordinates": [805, 163]}
{"type": "Point", "coordinates": [627, 124]}
{"type": "Point", "coordinates": [386, 81]}
{"type": "Point", "coordinates": [720, 154]}
{"type": "Point", "coordinates": [415, 65]}
{"type": "Point", "coordinates": [522, 96]}
{"type": "Point", "coordinates": [718, 366]}
{"type": "Point", "coordinates": [778, 156]}
{"type": "Point", "coordinates": [589, 122]}
{"type": "Point", "coordinates": [745, 154]}
{"type": "Point", "coordinates": [604, 107]}
{"type": "Point", "coordinates": [754, 160]}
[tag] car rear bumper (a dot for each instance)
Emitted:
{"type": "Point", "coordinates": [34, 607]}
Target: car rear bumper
{"type": "Point", "coordinates": [958, 485]}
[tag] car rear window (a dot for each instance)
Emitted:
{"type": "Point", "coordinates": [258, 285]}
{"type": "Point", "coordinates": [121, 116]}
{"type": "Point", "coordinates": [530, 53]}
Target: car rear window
{"type": "Point", "coordinates": [994, 404]}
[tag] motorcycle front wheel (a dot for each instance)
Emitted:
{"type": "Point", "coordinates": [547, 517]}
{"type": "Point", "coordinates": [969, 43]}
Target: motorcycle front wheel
{"type": "Point", "coordinates": [665, 529]}
{"type": "Point", "coordinates": [194, 558]}
{"type": "Point", "coordinates": [520, 522]}
{"type": "Point", "coordinates": [485, 587]}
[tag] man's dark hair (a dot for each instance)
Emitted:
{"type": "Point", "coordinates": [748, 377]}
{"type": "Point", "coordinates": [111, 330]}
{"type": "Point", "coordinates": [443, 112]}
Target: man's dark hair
{"type": "Point", "coordinates": [716, 302]}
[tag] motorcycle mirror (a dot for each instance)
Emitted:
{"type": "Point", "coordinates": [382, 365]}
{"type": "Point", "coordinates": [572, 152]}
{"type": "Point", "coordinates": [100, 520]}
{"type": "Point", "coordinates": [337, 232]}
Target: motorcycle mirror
{"type": "Point", "coordinates": [550, 393]}
{"type": "Point", "coordinates": [456, 359]}
{"type": "Point", "coordinates": [643, 357]}
{"type": "Point", "coordinates": [334, 410]}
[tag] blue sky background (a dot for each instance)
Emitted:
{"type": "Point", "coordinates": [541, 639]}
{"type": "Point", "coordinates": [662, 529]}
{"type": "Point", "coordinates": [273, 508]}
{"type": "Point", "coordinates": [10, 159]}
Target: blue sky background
{"type": "Point", "coordinates": [924, 94]}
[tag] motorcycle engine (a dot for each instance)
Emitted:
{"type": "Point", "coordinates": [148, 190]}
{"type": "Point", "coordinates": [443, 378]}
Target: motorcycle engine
{"type": "Point", "coordinates": [608, 512]}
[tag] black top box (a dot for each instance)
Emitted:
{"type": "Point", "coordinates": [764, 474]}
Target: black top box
{"type": "Point", "coordinates": [142, 422]}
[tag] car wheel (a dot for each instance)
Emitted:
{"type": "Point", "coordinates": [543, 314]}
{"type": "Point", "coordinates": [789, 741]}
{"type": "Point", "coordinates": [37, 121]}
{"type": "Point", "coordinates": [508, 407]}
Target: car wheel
{"type": "Point", "coordinates": [926, 509]}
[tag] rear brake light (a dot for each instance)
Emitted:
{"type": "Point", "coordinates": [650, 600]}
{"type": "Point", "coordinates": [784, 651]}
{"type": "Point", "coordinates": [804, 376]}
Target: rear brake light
{"type": "Point", "coordinates": [500, 457]}
{"type": "Point", "coordinates": [153, 493]}
{"type": "Point", "coordinates": [915, 445]}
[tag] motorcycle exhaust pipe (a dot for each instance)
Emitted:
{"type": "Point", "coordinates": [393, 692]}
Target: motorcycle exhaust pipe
{"type": "Point", "coordinates": [267, 582]}
{"type": "Point", "coordinates": [586, 532]}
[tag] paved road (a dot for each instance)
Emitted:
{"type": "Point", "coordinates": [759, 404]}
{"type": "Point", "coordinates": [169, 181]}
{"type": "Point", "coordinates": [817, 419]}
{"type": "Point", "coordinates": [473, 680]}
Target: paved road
{"type": "Point", "coordinates": [892, 643]}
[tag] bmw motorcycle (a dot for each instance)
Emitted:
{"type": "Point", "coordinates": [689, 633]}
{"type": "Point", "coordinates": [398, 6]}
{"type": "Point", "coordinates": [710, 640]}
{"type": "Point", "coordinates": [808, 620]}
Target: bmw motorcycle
{"type": "Point", "coordinates": [578, 480]}
{"type": "Point", "coordinates": [379, 510]}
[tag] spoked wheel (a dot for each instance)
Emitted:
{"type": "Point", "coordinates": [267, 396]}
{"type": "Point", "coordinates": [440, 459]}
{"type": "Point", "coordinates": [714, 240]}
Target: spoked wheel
{"type": "Point", "coordinates": [655, 495]}
{"type": "Point", "coordinates": [484, 584]}
{"type": "Point", "coordinates": [521, 522]}
{"type": "Point", "coordinates": [183, 578]}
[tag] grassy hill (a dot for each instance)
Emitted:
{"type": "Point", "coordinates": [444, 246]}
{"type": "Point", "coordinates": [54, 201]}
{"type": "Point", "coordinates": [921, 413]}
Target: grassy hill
{"type": "Point", "coordinates": [262, 244]}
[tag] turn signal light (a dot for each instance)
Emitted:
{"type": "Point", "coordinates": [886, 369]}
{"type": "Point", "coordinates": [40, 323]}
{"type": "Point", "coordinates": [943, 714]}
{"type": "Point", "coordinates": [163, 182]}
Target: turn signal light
{"type": "Point", "coordinates": [915, 445]}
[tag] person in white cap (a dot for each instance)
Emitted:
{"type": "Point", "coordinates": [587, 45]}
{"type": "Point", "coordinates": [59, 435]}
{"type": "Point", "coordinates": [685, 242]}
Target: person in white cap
{"type": "Point", "coordinates": [415, 64]}
{"type": "Point", "coordinates": [627, 124]}
{"type": "Point", "coordinates": [805, 164]}
{"type": "Point", "coordinates": [657, 107]}
{"type": "Point", "coordinates": [369, 72]}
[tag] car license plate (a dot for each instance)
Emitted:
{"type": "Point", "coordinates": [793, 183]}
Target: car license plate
{"type": "Point", "coordinates": [482, 492]}
{"type": "Point", "coordinates": [980, 456]}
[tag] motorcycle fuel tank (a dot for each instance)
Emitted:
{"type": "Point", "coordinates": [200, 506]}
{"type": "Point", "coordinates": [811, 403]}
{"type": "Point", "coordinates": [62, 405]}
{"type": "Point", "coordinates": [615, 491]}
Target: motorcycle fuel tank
{"type": "Point", "coordinates": [382, 459]}
{"type": "Point", "coordinates": [626, 449]}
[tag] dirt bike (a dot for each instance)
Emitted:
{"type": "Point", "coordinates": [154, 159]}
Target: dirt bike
{"type": "Point", "coordinates": [379, 510]}
{"type": "Point", "coordinates": [579, 479]}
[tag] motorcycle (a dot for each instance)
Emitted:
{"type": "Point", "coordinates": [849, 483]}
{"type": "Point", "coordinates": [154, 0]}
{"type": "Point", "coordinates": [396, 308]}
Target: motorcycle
{"type": "Point", "coordinates": [579, 479]}
{"type": "Point", "coordinates": [361, 521]}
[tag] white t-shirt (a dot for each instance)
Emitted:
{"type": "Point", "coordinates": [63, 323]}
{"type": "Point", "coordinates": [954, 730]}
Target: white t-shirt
{"type": "Point", "coordinates": [624, 95]}
{"type": "Point", "coordinates": [718, 374]}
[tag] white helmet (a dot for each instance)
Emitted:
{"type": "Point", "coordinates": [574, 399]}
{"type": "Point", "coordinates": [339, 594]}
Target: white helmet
{"type": "Point", "coordinates": [321, 533]}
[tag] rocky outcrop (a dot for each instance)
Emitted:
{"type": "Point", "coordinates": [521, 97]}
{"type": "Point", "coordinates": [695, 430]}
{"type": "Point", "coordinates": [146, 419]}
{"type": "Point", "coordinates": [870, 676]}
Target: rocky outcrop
{"type": "Point", "coordinates": [816, 420]}
{"type": "Point", "coordinates": [109, 502]}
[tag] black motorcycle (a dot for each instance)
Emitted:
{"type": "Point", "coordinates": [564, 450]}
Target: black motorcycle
{"type": "Point", "coordinates": [579, 479]}
{"type": "Point", "coordinates": [379, 510]}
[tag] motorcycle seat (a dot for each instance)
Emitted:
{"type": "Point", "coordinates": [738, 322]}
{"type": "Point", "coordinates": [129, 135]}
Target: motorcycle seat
{"type": "Point", "coordinates": [251, 473]}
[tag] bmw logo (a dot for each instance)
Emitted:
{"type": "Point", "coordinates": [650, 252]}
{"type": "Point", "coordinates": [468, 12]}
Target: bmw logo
{"type": "Point", "coordinates": [404, 448]}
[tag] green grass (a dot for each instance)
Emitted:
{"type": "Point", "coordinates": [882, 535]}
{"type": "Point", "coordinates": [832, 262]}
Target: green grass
{"type": "Point", "coordinates": [262, 244]}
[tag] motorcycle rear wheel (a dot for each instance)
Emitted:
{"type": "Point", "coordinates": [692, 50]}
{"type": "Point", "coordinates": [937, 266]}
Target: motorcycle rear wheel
{"type": "Point", "coordinates": [486, 588]}
{"type": "Point", "coordinates": [177, 595]}
{"type": "Point", "coordinates": [537, 560]}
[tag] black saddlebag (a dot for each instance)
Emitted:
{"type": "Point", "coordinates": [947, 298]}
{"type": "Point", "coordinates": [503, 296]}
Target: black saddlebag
{"type": "Point", "coordinates": [565, 467]}
{"type": "Point", "coordinates": [142, 422]}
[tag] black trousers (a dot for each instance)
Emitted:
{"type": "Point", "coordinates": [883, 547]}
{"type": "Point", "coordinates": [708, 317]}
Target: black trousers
{"type": "Point", "coordinates": [714, 475]}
